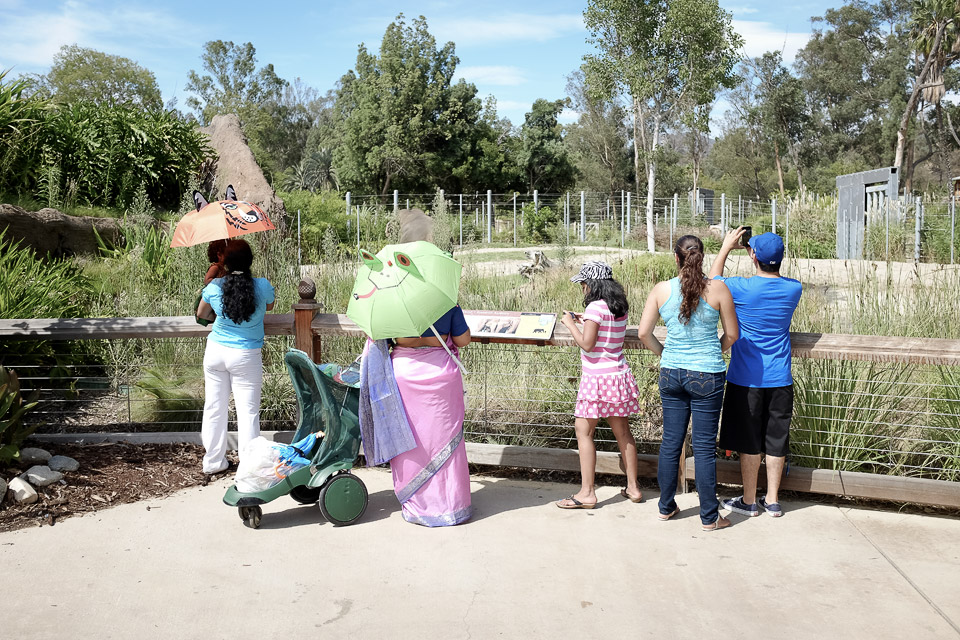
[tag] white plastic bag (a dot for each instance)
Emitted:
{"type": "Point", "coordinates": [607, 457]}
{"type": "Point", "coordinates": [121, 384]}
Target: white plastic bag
{"type": "Point", "coordinates": [260, 466]}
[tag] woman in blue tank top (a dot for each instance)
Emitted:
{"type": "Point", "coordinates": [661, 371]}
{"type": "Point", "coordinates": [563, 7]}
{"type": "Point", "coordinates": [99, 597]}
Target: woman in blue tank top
{"type": "Point", "coordinates": [692, 373]}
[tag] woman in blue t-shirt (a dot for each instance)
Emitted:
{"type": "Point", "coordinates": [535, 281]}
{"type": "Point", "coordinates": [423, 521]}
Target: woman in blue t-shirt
{"type": "Point", "coordinates": [232, 360]}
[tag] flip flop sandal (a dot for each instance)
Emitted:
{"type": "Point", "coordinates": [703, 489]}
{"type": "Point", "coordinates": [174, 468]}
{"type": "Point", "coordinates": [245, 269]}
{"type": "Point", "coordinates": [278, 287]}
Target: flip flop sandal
{"type": "Point", "coordinates": [576, 504]}
{"type": "Point", "coordinates": [663, 517]}
{"type": "Point", "coordinates": [626, 495]}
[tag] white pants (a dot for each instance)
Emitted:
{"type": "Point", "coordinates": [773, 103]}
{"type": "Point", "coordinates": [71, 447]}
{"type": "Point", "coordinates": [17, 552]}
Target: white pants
{"type": "Point", "coordinates": [241, 370]}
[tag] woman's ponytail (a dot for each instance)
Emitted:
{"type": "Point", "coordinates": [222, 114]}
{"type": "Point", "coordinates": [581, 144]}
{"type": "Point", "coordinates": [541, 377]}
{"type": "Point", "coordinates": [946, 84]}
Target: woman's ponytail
{"type": "Point", "coordinates": [239, 295]}
{"type": "Point", "coordinates": [689, 250]}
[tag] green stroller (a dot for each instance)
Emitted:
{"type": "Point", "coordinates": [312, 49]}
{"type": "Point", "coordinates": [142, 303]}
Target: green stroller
{"type": "Point", "coordinates": [327, 480]}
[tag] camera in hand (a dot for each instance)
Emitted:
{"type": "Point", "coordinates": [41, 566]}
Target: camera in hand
{"type": "Point", "coordinates": [745, 238]}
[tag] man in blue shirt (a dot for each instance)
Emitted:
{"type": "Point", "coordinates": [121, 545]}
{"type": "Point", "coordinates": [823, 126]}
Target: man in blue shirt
{"type": "Point", "coordinates": [758, 403]}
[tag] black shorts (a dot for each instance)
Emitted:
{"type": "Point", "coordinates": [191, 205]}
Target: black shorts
{"type": "Point", "coordinates": [756, 420]}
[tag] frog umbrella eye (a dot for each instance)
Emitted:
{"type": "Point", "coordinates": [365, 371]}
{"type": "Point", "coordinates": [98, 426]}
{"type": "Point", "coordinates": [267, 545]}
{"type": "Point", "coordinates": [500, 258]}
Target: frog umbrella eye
{"type": "Point", "coordinates": [372, 261]}
{"type": "Point", "coordinates": [405, 263]}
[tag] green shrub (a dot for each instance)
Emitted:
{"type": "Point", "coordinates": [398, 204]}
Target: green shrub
{"type": "Point", "coordinates": [12, 409]}
{"type": "Point", "coordinates": [537, 222]}
{"type": "Point", "coordinates": [34, 288]}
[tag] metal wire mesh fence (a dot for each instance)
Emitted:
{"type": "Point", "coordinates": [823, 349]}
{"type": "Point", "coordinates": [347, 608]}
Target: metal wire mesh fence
{"type": "Point", "coordinates": [921, 229]}
{"type": "Point", "coordinates": [892, 418]}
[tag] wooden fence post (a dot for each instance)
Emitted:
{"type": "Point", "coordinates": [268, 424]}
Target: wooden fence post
{"type": "Point", "coordinates": [303, 313]}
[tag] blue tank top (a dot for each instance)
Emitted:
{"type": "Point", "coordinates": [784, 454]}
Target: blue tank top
{"type": "Point", "coordinates": [694, 345]}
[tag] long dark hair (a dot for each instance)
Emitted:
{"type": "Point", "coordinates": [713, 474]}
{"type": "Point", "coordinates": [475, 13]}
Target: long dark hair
{"type": "Point", "coordinates": [611, 292]}
{"type": "Point", "coordinates": [689, 250]}
{"type": "Point", "coordinates": [239, 296]}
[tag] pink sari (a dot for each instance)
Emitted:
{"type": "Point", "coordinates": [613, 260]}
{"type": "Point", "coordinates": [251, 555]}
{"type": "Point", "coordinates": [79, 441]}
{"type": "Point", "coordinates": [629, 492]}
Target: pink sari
{"type": "Point", "coordinates": [432, 481]}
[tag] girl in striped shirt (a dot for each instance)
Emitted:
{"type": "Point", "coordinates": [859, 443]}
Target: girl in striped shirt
{"type": "Point", "coordinates": [607, 387]}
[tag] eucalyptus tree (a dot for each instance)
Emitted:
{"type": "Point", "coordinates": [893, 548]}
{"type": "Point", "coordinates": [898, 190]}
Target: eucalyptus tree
{"type": "Point", "coordinates": [597, 140]}
{"type": "Point", "coordinates": [782, 111]}
{"type": "Point", "coordinates": [670, 57]}
{"type": "Point", "coordinates": [935, 27]}
{"type": "Point", "coordinates": [543, 157]}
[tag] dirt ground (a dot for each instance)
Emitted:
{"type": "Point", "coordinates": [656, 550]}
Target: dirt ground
{"type": "Point", "coordinates": [109, 474]}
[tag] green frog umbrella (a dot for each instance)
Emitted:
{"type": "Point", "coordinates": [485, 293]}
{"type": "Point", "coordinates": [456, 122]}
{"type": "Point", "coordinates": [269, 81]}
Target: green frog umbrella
{"type": "Point", "coordinates": [403, 290]}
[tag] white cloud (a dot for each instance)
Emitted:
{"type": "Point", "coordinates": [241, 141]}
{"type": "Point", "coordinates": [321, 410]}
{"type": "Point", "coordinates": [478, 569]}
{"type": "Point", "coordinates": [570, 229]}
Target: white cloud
{"type": "Point", "coordinates": [492, 75]}
{"type": "Point", "coordinates": [760, 37]}
{"type": "Point", "coordinates": [31, 38]}
{"type": "Point", "coordinates": [741, 10]}
{"type": "Point", "coordinates": [508, 27]}
{"type": "Point", "coordinates": [567, 116]}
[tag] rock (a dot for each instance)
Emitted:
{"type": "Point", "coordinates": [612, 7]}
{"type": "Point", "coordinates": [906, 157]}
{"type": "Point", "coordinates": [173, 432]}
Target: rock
{"type": "Point", "coordinates": [63, 463]}
{"type": "Point", "coordinates": [32, 455]}
{"type": "Point", "coordinates": [50, 231]}
{"type": "Point", "coordinates": [23, 492]}
{"type": "Point", "coordinates": [41, 475]}
{"type": "Point", "coordinates": [3, 490]}
{"type": "Point", "coordinates": [236, 165]}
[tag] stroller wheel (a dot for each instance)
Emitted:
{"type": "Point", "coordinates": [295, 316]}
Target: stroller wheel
{"type": "Point", "coordinates": [343, 499]}
{"type": "Point", "coordinates": [251, 516]}
{"type": "Point", "coordinates": [304, 494]}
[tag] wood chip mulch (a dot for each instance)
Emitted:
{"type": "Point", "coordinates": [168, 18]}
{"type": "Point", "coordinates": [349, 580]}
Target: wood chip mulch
{"type": "Point", "coordinates": [109, 474]}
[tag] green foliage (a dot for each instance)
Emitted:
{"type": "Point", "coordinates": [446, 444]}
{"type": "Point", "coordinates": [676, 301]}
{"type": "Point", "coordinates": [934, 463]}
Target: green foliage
{"type": "Point", "coordinates": [321, 213]}
{"type": "Point", "coordinates": [402, 121]}
{"type": "Point", "coordinates": [13, 407]}
{"type": "Point", "coordinates": [845, 415]}
{"type": "Point", "coordinates": [96, 154]}
{"type": "Point", "coordinates": [542, 156]}
{"type": "Point", "coordinates": [942, 454]}
{"type": "Point", "coordinates": [173, 403]}
{"type": "Point", "coordinates": [22, 115]}
{"type": "Point", "coordinates": [537, 222]}
{"type": "Point", "coordinates": [35, 288]}
{"type": "Point", "coordinates": [236, 85]}
{"type": "Point", "coordinates": [79, 74]}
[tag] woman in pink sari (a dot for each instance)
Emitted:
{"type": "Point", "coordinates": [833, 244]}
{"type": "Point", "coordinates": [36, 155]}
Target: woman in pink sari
{"type": "Point", "coordinates": [432, 480]}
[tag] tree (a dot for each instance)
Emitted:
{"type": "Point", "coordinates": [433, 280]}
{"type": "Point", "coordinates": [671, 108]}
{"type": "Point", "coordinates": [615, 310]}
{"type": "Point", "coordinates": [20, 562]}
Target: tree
{"type": "Point", "coordinates": [401, 120]}
{"type": "Point", "coordinates": [543, 157]}
{"type": "Point", "coordinates": [81, 74]}
{"type": "Point", "coordinates": [597, 140]}
{"type": "Point", "coordinates": [935, 26]}
{"type": "Point", "coordinates": [853, 72]}
{"type": "Point", "coordinates": [669, 56]}
{"type": "Point", "coordinates": [235, 86]}
{"type": "Point", "coordinates": [782, 111]}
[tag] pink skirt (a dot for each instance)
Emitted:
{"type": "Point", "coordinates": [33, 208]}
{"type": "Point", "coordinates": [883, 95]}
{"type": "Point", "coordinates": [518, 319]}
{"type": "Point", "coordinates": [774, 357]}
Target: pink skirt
{"type": "Point", "coordinates": [432, 481]}
{"type": "Point", "coordinates": [607, 395]}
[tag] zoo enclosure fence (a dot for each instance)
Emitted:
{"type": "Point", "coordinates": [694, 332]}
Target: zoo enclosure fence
{"type": "Point", "coordinates": [918, 228]}
{"type": "Point", "coordinates": [875, 417]}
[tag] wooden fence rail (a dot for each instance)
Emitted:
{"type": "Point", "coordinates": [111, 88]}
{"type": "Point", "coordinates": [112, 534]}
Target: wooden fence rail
{"type": "Point", "coordinates": [309, 326]}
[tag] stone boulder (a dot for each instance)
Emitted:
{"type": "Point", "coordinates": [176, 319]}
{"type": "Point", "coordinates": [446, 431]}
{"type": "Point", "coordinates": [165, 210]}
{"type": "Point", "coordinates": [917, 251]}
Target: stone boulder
{"type": "Point", "coordinates": [23, 492]}
{"type": "Point", "coordinates": [63, 463]}
{"type": "Point", "coordinates": [237, 166]}
{"type": "Point", "coordinates": [33, 455]}
{"type": "Point", "coordinates": [41, 476]}
{"type": "Point", "coordinates": [49, 231]}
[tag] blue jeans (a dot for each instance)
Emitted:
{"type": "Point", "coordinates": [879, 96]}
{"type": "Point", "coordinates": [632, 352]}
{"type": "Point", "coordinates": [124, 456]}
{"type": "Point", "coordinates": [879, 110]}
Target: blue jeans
{"type": "Point", "coordinates": [686, 393]}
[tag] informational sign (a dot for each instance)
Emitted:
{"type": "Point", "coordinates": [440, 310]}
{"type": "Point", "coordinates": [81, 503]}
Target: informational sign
{"type": "Point", "coordinates": [515, 324]}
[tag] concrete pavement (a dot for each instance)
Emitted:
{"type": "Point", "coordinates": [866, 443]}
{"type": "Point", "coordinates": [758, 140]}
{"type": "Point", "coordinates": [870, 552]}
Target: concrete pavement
{"type": "Point", "coordinates": [188, 568]}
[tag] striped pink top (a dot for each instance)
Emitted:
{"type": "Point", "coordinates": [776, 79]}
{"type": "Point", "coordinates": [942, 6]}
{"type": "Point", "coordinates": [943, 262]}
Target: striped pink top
{"type": "Point", "coordinates": [607, 355]}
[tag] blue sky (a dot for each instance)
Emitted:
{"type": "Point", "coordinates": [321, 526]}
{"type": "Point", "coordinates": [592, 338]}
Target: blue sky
{"type": "Point", "coordinates": [516, 51]}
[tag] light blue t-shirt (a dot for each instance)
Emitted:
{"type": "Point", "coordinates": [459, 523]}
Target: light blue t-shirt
{"type": "Point", "coordinates": [765, 306]}
{"type": "Point", "coordinates": [695, 345]}
{"type": "Point", "coordinates": [246, 335]}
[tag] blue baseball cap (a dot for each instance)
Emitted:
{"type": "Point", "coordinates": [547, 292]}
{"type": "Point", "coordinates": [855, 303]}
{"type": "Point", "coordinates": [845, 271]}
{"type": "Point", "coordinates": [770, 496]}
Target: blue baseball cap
{"type": "Point", "coordinates": [768, 247]}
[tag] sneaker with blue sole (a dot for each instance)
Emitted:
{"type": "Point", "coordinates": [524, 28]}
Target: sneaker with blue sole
{"type": "Point", "coordinates": [773, 508]}
{"type": "Point", "coordinates": [737, 505]}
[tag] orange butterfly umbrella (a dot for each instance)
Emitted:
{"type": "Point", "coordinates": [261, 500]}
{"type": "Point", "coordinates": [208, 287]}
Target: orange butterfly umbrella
{"type": "Point", "coordinates": [220, 220]}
